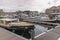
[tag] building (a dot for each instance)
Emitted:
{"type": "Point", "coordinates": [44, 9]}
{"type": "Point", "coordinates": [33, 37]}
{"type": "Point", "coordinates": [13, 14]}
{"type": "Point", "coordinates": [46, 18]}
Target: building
{"type": "Point", "coordinates": [31, 13]}
{"type": "Point", "coordinates": [28, 12]}
{"type": "Point", "coordinates": [54, 9]}
{"type": "Point", "coordinates": [55, 16]}
{"type": "Point", "coordinates": [1, 11]}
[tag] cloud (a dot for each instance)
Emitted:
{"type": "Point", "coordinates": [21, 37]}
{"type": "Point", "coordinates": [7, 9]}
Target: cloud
{"type": "Point", "coordinates": [39, 5]}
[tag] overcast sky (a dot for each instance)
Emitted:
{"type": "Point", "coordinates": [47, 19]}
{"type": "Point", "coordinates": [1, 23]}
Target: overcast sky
{"type": "Point", "coordinates": [38, 5]}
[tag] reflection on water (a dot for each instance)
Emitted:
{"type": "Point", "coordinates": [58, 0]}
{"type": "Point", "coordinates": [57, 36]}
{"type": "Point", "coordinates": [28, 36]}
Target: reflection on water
{"type": "Point", "coordinates": [39, 29]}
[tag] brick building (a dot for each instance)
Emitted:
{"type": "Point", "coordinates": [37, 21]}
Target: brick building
{"type": "Point", "coordinates": [54, 9]}
{"type": "Point", "coordinates": [1, 11]}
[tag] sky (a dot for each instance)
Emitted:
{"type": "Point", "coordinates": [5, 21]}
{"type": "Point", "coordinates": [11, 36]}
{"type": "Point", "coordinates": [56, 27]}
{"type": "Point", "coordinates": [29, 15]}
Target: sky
{"type": "Point", "coordinates": [34, 5]}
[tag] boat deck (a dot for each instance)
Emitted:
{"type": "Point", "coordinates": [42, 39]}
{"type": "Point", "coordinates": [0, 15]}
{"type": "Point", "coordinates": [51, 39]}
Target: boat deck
{"type": "Point", "coordinates": [17, 24]}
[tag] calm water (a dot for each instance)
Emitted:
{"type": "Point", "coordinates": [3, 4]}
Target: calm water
{"type": "Point", "coordinates": [39, 29]}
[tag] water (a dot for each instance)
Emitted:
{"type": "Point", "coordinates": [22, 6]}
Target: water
{"type": "Point", "coordinates": [39, 29]}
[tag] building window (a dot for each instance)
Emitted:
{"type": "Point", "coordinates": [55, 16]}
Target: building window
{"type": "Point", "coordinates": [57, 11]}
{"type": "Point", "coordinates": [54, 11]}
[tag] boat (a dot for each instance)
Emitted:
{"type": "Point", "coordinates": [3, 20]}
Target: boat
{"type": "Point", "coordinates": [16, 26]}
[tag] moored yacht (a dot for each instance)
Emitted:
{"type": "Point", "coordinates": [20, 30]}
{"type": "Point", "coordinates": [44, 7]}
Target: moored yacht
{"type": "Point", "coordinates": [14, 25]}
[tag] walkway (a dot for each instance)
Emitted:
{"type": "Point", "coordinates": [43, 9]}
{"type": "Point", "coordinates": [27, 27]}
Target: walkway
{"type": "Point", "coordinates": [53, 34]}
{"type": "Point", "coordinates": [6, 35]}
